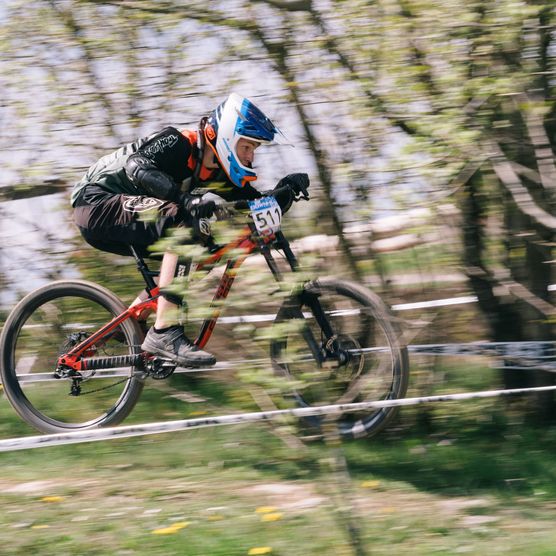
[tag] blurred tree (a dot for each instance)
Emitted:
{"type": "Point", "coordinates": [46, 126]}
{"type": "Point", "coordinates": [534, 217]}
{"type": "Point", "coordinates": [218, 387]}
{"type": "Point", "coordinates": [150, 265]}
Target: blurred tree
{"type": "Point", "coordinates": [467, 88]}
{"type": "Point", "coordinates": [472, 86]}
{"type": "Point", "coordinates": [412, 100]}
{"type": "Point", "coordinates": [482, 74]}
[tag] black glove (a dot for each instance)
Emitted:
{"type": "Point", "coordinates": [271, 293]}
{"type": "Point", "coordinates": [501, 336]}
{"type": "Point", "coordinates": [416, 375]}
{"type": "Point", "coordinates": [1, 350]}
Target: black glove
{"type": "Point", "coordinates": [288, 188]}
{"type": "Point", "coordinates": [299, 183]}
{"type": "Point", "coordinates": [199, 208]}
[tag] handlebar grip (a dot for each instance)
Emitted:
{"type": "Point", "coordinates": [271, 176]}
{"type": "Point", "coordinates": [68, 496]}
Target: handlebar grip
{"type": "Point", "coordinates": [211, 245]}
{"type": "Point", "coordinates": [241, 205]}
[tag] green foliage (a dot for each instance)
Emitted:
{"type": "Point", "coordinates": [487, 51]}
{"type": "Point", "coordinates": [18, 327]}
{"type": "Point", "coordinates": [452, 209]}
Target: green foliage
{"type": "Point", "coordinates": [395, 96]}
{"type": "Point", "coordinates": [429, 491]}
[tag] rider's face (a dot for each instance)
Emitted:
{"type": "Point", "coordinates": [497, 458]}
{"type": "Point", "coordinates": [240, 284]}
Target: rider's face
{"type": "Point", "coordinates": [245, 150]}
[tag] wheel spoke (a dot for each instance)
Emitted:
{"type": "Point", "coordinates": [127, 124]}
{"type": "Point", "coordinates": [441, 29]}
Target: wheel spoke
{"type": "Point", "coordinates": [363, 360]}
{"type": "Point", "coordinates": [48, 323]}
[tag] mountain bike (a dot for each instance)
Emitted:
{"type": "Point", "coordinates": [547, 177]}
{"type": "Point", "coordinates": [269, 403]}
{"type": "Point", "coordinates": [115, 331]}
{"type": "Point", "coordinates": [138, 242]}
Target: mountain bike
{"type": "Point", "coordinates": [71, 356]}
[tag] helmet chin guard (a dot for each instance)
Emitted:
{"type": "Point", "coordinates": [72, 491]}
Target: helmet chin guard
{"type": "Point", "coordinates": [233, 119]}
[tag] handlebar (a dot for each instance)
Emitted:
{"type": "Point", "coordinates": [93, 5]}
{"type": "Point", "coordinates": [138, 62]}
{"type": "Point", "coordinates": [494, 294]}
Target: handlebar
{"type": "Point", "coordinates": [240, 205]}
{"type": "Point", "coordinates": [224, 209]}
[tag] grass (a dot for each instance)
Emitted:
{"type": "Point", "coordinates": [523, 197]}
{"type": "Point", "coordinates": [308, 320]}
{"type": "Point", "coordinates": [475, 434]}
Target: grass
{"type": "Point", "coordinates": [470, 478]}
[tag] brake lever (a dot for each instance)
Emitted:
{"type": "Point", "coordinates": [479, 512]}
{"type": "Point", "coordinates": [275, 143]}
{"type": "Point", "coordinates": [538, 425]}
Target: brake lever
{"type": "Point", "coordinates": [303, 195]}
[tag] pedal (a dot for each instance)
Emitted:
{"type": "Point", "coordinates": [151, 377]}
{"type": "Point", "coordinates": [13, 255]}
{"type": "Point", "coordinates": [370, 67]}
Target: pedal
{"type": "Point", "coordinates": [159, 368]}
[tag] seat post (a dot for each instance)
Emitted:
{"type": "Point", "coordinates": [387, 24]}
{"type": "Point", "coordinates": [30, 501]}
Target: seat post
{"type": "Point", "coordinates": [144, 270]}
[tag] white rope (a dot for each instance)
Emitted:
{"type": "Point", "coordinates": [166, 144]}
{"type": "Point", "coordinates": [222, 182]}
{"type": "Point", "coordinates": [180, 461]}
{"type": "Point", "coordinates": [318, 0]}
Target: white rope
{"type": "Point", "coordinates": [399, 307]}
{"type": "Point", "coordinates": [93, 435]}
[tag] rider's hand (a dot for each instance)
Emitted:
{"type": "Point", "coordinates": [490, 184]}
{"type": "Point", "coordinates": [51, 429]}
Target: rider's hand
{"type": "Point", "coordinates": [199, 208]}
{"type": "Point", "coordinates": [289, 188]}
{"type": "Point", "coordinates": [298, 183]}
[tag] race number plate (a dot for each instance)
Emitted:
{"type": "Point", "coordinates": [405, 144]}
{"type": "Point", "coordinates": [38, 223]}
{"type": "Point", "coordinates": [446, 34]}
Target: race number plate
{"type": "Point", "coordinates": [266, 215]}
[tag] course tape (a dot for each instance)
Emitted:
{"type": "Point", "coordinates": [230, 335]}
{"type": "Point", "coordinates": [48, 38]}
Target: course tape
{"type": "Point", "coordinates": [269, 317]}
{"type": "Point", "coordinates": [111, 433]}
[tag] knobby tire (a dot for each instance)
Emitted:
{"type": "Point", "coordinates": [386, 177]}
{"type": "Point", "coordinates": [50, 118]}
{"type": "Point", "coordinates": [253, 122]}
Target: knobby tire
{"type": "Point", "coordinates": [38, 330]}
{"type": "Point", "coordinates": [378, 367]}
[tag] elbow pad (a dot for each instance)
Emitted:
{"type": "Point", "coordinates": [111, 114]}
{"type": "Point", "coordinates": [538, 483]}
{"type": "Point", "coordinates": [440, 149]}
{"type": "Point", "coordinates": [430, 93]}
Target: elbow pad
{"type": "Point", "coordinates": [143, 173]}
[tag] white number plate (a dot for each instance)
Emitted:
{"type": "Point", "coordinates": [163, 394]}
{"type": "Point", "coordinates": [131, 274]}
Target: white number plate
{"type": "Point", "coordinates": [267, 215]}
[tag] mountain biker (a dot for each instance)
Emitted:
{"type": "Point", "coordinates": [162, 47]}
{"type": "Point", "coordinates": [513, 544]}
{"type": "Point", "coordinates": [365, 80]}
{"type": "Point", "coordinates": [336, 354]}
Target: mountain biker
{"type": "Point", "coordinates": [160, 173]}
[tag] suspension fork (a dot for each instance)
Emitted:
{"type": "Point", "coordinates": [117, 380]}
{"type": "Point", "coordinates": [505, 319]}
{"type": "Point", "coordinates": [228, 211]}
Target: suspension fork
{"type": "Point", "coordinates": [283, 244]}
{"type": "Point", "coordinates": [306, 298]}
{"type": "Point", "coordinates": [311, 300]}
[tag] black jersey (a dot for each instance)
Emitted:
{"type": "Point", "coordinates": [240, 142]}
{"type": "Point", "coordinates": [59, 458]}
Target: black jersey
{"type": "Point", "coordinates": [171, 153]}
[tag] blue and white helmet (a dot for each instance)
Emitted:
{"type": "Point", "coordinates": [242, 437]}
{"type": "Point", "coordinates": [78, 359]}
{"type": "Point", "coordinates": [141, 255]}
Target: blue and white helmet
{"type": "Point", "coordinates": [233, 119]}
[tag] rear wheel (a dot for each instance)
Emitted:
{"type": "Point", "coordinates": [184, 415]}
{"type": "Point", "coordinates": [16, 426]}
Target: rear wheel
{"type": "Point", "coordinates": [360, 357]}
{"type": "Point", "coordinates": [47, 323]}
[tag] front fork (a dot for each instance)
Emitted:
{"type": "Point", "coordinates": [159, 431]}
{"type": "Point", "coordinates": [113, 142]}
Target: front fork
{"type": "Point", "coordinates": [326, 351]}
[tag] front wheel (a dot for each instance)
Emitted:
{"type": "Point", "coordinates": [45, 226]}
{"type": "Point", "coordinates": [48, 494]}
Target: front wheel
{"type": "Point", "coordinates": [340, 344]}
{"type": "Point", "coordinates": [47, 323]}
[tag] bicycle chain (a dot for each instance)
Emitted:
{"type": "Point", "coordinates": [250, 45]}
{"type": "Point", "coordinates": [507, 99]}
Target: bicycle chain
{"type": "Point", "coordinates": [154, 373]}
{"type": "Point", "coordinates": [105, 387]}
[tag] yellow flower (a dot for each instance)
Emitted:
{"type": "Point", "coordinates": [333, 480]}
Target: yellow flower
{"type": "Point", "coordinates": [52, 499]}
{"type": "Point", "coordinates": [171, 529]}
{"type": "Point", "coordinates": [180, 524]}
{"type": "Point", "coordinates": [265, 509]}
{"type": "Point", "coordinates": [370, 484]}
{"type": "Point", "coordinates": [165, 531]}
{"type": "Point", "coordinates": [271, 517]}
{"type": "Point", "coordinates": [260, 550]}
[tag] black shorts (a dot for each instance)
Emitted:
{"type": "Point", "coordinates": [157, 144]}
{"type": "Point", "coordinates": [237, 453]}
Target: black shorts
{"type": "Point", "coordinates": [112, 222]}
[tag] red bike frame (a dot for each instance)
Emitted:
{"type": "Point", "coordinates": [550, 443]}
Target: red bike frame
{"type": "Point", "coordinates": [77, 357]}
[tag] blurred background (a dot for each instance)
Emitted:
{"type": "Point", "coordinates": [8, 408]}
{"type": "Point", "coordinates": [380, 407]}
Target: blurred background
{"type": "Point", "coordinates": [428, 132]}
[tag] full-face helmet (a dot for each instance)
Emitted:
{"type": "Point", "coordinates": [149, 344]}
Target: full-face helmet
{"type": "Point", "coordinates": [233, 119]}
